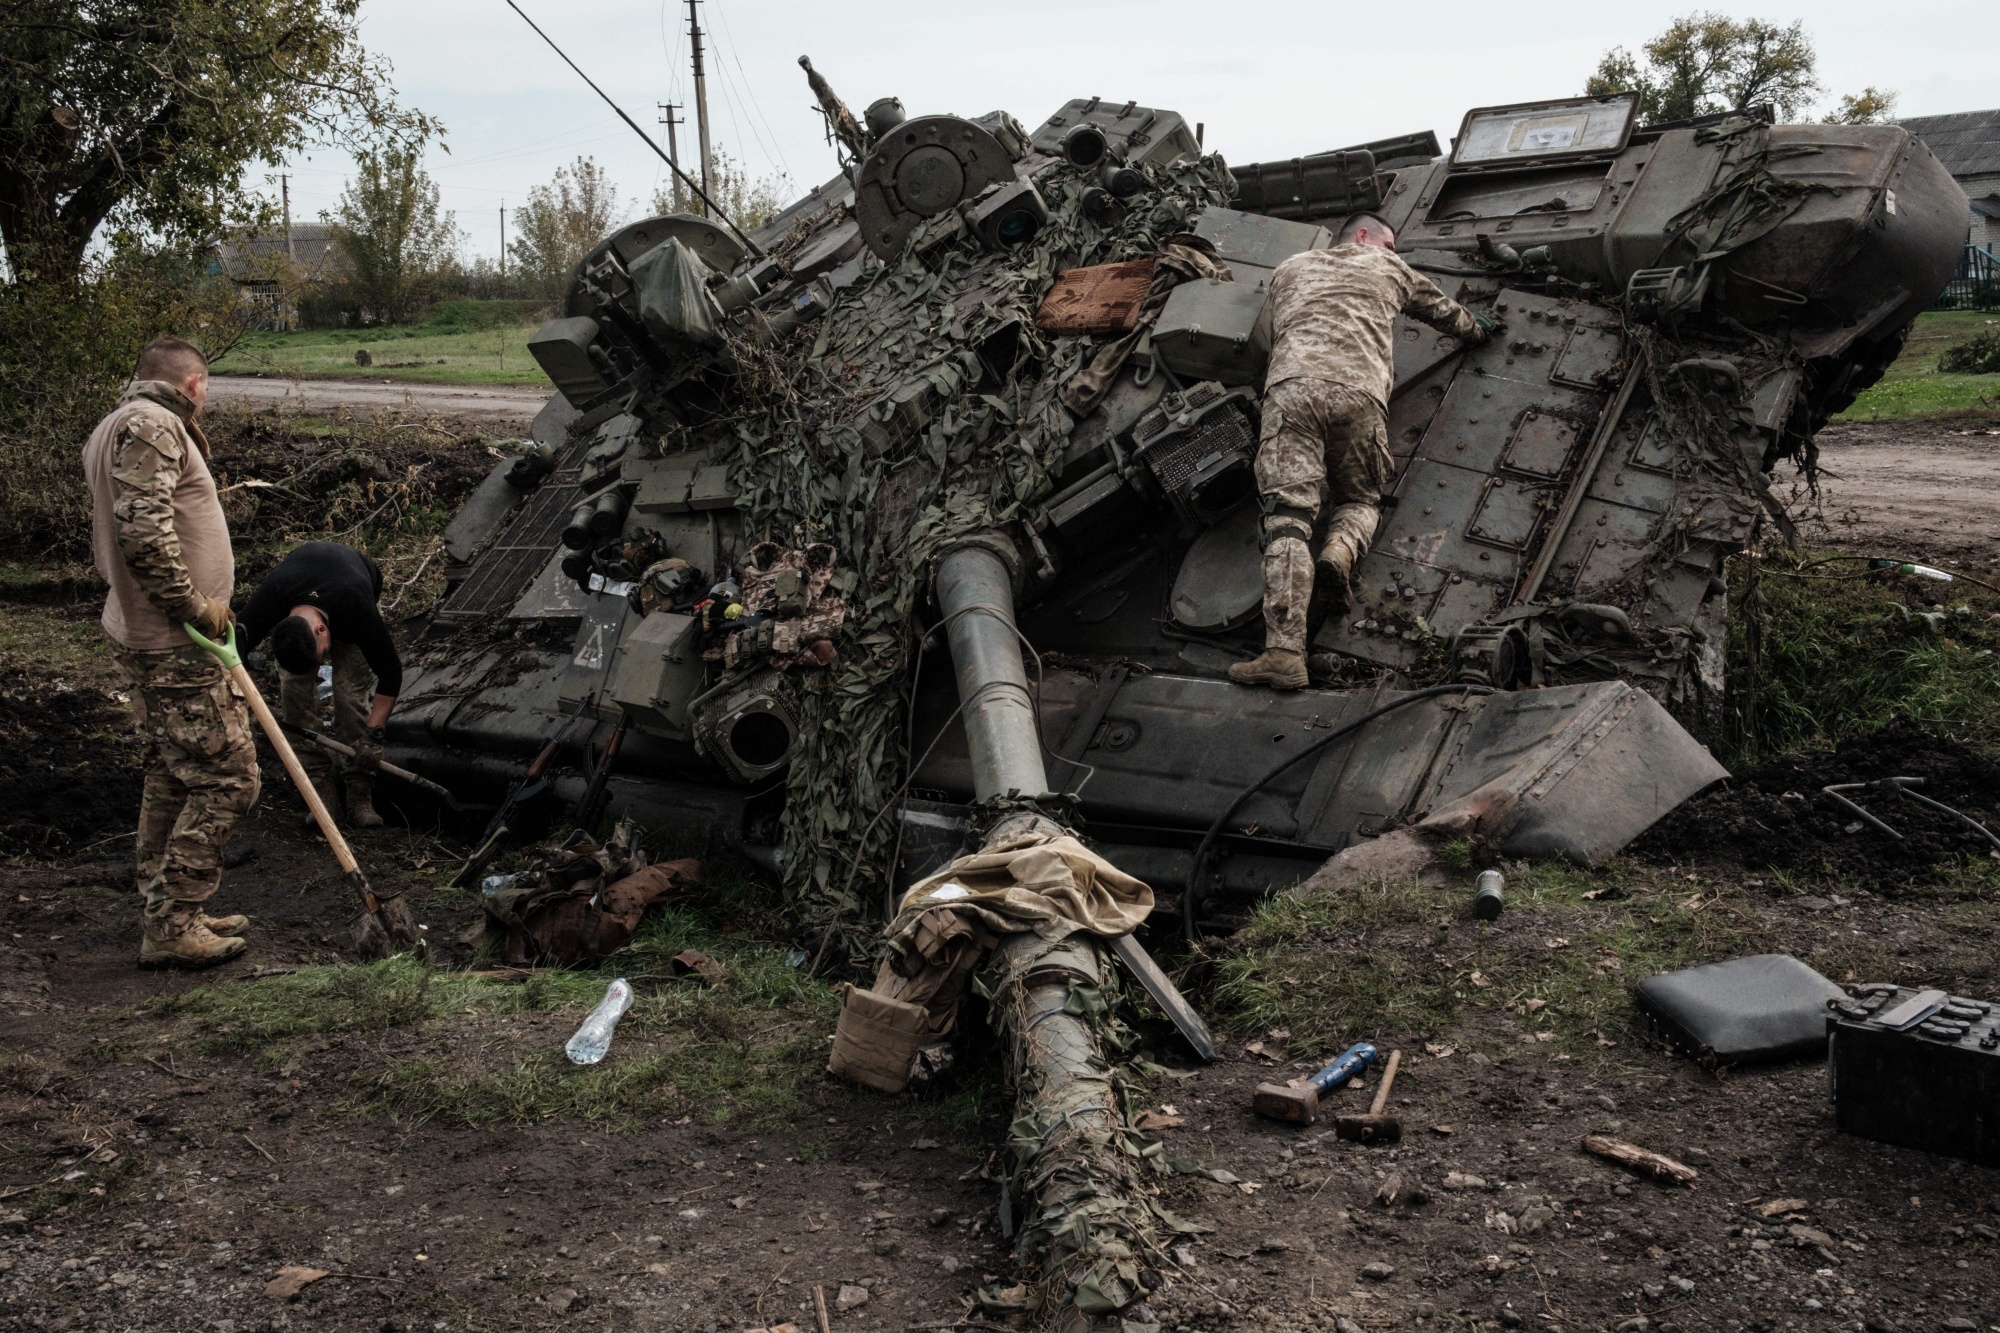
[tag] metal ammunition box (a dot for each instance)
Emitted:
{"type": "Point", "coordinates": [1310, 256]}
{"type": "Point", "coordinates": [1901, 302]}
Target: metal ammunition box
{"type": "Point", "coordinates": [1208, 331]}
{"type": "Point", "coordinates": [1919, 1069]}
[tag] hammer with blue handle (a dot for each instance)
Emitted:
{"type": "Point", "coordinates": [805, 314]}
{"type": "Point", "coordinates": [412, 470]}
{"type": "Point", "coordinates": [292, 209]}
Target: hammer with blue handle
{"type": "Point", "coordinates": [1298, 1101]}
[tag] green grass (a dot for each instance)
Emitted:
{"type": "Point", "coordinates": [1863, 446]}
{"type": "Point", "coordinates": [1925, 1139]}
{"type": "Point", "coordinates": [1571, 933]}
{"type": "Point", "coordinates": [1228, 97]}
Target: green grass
{"type": "Point", "coordinates": [461, 342]}
{"type": "Point", "coordinates": [750, 1052]}
{"type": "Point", "coordinates": [1403, 961]}
{"type": "Point", "coordinates": [1913, 387]}
{"type": "Point", "coordinates": [1842, 656]}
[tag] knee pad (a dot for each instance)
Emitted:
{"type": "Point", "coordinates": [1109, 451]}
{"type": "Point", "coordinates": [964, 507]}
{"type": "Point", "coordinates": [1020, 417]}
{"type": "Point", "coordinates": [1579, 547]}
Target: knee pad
{"type": "Point", "coordinates": [1285, 521]}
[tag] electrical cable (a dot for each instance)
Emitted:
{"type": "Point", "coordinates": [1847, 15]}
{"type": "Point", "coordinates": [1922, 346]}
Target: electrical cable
{"type": "Point", "coordinates": [1348, 729]}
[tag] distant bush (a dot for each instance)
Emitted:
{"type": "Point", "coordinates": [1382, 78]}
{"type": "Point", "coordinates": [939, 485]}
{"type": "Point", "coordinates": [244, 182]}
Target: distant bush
{"type": "Point", "coordinates": [1978, 355]}
{"type": "Point", "coordinates": [470, 316]}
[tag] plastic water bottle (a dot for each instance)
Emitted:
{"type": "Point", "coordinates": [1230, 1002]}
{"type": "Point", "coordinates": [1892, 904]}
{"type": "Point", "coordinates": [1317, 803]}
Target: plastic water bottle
{"type": "Point", "coordinates": [496, 884]}
{"type": "Point", "coordinates": [593, 1039]}
{"type": "Point", "coordinates": [324, 688]}
{"type": "Point", "coordinates": [1488, 901]}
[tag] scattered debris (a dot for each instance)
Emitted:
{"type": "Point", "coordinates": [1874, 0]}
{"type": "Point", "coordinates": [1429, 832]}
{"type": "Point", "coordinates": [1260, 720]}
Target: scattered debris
{"type": "Point", "coordinates": [693, 962]}
{"type": "Point", "coordinates": [577, 902]}
{"type": "Point", "coordinates": [291, 1280]}
{"type": "Point", "coordinates": [1161, 1119]}
{"type": "Point", "coordinates": [1640, 1159]}
{"type": "Point", "coordinates": [1776, 1206]}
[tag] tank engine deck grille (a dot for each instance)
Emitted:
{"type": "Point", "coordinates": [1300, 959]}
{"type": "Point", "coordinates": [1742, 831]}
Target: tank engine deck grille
{"type": "Point", "coordinates": [523, 546]}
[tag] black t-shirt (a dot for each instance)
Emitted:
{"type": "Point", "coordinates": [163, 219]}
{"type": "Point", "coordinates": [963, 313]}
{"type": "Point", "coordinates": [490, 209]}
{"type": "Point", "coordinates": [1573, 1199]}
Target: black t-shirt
{"type": "Point", "coordinates": [343, 584]}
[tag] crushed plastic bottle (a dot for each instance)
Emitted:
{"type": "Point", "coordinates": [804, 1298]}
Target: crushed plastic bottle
{"type": "Point", "coordinates": [593, 1039]}
{"type": "Point", "coordinates": [494, 884]}
{"type": "Point", "coordinates": [324, 689]}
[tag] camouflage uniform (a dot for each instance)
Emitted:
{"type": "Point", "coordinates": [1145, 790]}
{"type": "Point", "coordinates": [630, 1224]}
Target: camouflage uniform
{"type": "Point", "coordinates": [201, 771]}
{"type": "Point", "coordinates": [151, 496]}
{"type": "Point", "coordinates": [1326, 398]}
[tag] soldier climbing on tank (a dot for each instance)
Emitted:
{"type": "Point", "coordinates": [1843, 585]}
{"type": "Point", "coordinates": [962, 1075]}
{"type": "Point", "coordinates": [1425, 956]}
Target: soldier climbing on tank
{"type": "Point", "coordinates": [159, 540]}
{"type": "Point", "coordinates": [1332, 314]}
{"type": "Point", "coordinates": [318, 606]}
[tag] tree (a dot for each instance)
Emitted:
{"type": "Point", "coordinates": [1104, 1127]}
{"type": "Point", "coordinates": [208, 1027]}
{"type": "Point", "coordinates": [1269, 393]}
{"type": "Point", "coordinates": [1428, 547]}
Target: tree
{"type": "Point", "coordinates": [390, 234]}
{"type": "Point", "coordinates": [1870, 106]}
{"type": "Point", "coordinates": [1708, 63]}
{"type": "Point", "coordinates": [749, 203]}
{"type": "Point", "coordinates": [561, 222]}
{"type": "Point", "coordinates": [146, 114]}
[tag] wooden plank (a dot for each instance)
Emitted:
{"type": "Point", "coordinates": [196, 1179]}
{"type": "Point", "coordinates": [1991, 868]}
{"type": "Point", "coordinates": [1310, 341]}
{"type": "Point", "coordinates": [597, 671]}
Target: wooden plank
{"type": "Point", "coordinates": [1102, 299]}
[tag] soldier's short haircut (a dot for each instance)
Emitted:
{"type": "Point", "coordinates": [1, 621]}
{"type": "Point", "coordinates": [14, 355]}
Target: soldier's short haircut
{"type": "Point", "coordinates": [1356, 221]}
{"type": "Point", "coordinates": [292, 644]}
{"type": "Point", "coordinates": [174, 360]}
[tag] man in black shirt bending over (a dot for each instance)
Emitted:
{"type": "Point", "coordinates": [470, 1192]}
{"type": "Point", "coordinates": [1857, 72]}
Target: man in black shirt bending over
{"type": "Point", "coordinates": [318, 606]}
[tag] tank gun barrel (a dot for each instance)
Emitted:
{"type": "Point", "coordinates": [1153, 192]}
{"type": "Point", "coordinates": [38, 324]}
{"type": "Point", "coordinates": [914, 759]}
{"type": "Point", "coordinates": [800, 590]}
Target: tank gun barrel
{"type": "Point", "coordinates": [1060, 1071]}
{"type": "Point", "coordinates": [839, 119]}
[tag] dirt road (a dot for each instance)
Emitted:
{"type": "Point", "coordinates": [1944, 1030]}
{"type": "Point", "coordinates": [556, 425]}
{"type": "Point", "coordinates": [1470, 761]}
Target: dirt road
{"type": "Point", "coordinates": [1920, 490]}
{"type": "Point", "coordinates": [511, 405]}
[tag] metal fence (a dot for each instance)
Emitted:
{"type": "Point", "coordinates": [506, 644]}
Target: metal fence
{"type": "Point", "coordinates": [1975, 284]}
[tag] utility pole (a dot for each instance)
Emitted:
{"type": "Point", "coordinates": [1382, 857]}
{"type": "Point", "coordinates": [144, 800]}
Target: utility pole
{"type": "Point", "coordinates": [285, 189]}
{"type": "Point", "coordinates": [503, 240]}
{"type": "Point", "coordinates": [669, 119]}
{"type": "Point", "coordinates": [701, 102]}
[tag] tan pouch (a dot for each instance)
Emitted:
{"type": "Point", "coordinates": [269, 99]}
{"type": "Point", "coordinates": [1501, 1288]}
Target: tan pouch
{"type": "Point", "coordinates": [877, 1039]}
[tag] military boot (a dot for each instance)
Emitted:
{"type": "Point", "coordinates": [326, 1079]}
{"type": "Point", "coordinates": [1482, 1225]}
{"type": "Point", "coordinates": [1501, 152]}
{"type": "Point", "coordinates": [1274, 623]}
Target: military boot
{"type": "Point", "coordinates": [361, 802]}
{"type": "Point", "coordinates": [177, 938]}
{"type": "Point", "coordinates": [1332, 591]}
{"type": "Point", "coordinates": [1280, 668]}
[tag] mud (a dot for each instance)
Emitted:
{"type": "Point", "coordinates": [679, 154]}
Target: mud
{"type": "Point", "coordinates": [1777, 817]}
{"type": "Point", "coordinates": [68, 766]}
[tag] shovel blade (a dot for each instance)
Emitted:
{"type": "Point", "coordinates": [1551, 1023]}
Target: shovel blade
{"type": "Point", "coordinates": [369, 938]}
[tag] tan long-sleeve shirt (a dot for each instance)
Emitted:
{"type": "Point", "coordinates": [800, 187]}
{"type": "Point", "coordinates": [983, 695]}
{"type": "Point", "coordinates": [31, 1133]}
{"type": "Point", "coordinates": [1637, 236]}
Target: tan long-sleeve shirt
{"type": "Point", "coordinates": [1333, 316]}
{"type": "Point", "coordinates": [157, 530]}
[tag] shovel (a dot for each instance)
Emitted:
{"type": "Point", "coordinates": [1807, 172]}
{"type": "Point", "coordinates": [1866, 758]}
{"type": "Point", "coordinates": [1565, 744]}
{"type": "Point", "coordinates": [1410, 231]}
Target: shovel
{"type": "Point", "coordinates": [384, 924]}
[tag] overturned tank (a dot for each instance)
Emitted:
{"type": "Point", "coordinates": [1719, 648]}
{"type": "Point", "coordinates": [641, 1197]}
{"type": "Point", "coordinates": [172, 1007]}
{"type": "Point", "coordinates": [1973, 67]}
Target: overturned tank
{"type": "Point", "coordinates": [920, 520]}
{"type": "Point", "coordinates": [978, 333]}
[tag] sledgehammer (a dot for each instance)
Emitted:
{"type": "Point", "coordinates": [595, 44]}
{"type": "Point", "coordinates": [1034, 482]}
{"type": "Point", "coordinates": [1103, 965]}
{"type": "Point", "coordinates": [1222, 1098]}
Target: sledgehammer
{"type": "Point", "coordinates": [1375, 1127]}
{"type": "Point", "coordinates": [1298, 1101]}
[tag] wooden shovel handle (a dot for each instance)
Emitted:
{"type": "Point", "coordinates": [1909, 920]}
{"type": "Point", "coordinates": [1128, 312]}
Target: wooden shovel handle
{"type": "Point", "coordinates": [276, 735]}
{"type": "Point", "coordinates": [1388, 1077]}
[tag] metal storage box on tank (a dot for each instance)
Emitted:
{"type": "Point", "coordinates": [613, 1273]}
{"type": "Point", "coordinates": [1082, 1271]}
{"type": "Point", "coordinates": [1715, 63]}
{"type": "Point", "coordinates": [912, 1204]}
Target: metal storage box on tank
{"type": "Point", "coordinates": [1208, 331]}
{"type": "Point", "coordinates": [657, 671]}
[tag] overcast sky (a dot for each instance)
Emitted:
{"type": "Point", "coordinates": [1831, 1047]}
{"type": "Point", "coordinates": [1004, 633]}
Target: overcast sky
{"type": "Point", "coordinates": [1270, 78]}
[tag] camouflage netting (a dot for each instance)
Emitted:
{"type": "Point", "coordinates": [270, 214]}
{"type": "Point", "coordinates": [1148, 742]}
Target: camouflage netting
{"type": "Point", "coordinates": [925, 405]}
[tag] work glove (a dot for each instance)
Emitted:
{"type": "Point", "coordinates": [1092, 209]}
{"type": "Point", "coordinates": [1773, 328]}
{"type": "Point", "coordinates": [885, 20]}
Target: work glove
{"type": "Point", "coordinates": [213, 619]}
{"type": "Point", "coordinates": [1485, 327]}
{"type": "Point", "coordinates": [368, 750]}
